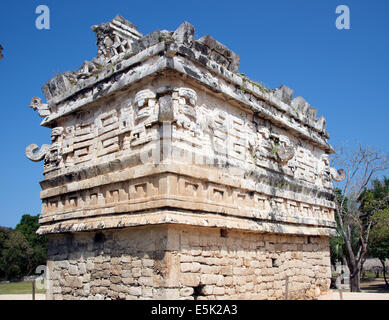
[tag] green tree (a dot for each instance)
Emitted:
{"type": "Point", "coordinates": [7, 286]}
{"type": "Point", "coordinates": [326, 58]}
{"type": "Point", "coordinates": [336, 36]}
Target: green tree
{"type": "Point", "coordinates": [379, 239]}
{"type": "Point", "coordinates": [376, 199]}
{"type": "Point", "coordinates": [28, 226]}
{"type": "Point", "coordinates": [337, 243]}
{"type": "Point", "coordinates": [15, 254]}
{"type": "Point", "coordinates": [21, 250]}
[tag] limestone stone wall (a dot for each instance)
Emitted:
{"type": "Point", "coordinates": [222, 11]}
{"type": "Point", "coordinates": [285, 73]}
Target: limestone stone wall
{"type": "Point", "coordinates": [172, 175]}
{"type": "Point", "coordinates": [176, 262]}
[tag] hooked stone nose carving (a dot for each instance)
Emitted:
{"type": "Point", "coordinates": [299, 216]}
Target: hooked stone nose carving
{"type": "Point", "coordinates": [166, 112]}
{"type": "Point", "coordinates": [33, 154]}
{"type": "Point", "coordinates": [337, 175]}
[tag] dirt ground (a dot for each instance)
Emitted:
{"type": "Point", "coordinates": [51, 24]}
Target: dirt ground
{"type": "Point", "coordinates": [371, 289]}
{"type": "Point", "coordinates": [22, 297]}
{"type": "Point", "coordinates": [374, 285]}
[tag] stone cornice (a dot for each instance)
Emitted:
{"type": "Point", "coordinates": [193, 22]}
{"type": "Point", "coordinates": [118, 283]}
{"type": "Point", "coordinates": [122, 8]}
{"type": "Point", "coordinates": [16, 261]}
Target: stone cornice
{"type": "Point", "coordinates": [184, 218]}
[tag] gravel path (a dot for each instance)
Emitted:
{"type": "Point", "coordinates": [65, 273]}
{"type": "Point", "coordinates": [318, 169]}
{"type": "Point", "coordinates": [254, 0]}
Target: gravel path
{"type": "Point", "coordinates": [335, 295]}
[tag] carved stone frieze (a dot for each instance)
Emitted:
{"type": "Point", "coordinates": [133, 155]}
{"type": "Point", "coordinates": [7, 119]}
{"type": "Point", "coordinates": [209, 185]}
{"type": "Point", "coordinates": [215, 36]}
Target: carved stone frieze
{"type": "Point", "coordinates": [162, 138]}
{"type": "Point", "coordinates": [338, 175]}
{"type": "Point", "coordinates": [33, 154]}
{"type": "Point", "coordinates": [51, 154]}
{"type": "Point", "coordinates": [43, 109]}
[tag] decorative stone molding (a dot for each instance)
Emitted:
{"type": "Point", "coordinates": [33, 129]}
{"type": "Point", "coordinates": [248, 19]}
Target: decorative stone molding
{"type": "Point", "coordinates": [115, 37]}
{"type": "Point", "coordinates": [161, 132]}
{"type": "Point", "coordinates": [50, 153]}
{"type": "Point", "coordinates": [33, 154]}
{"type": "Point", "coordinates": [184, 34]}
{"type": "Point", "coordinates": [145, 101]}
{"type": "Point", "coordinates": [43, 109]}
{"type": "Point", "coordinates": [166, 109]}
{"type": "Point", "coordinates": [187, 117]}
{"type": "Point", "coordinates": [285, 153]}
{"type": "Point", "coordinates": [338, 175]}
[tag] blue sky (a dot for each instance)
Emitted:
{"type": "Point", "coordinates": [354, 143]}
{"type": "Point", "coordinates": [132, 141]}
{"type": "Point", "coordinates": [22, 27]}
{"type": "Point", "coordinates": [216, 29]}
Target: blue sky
{"type": "Point", "coordinates": [342, 73]}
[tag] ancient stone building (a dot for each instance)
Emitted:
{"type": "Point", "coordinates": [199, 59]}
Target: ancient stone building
{"type": "Point", "coordinates": [173, 176]}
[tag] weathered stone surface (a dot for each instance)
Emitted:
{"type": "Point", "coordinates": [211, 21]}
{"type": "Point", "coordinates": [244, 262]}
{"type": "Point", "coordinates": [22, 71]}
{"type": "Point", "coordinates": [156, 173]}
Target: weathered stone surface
{"type": "Point", "coordinates": [184, 34]}
{"type": "Point", "coordinates": [43, 109]}
{"type": "Point", "coordinates": [33, 154]}
{"type": "Point", "coordinates": [338, 175]}
{"type": "Point", "coordinates": [172, 176]}
{"type": "Point", "coordinates": [115, 37]}
{"type": "Point", "coordinates": [222, 50]}
{"type": "Point", "coordinates": [307, 266]}
{"type": "Point", "coordinates": [166, 111]}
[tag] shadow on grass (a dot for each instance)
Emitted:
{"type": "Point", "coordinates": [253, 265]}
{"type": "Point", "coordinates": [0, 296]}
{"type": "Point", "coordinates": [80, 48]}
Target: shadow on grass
{"type": "Point", "coordinates": [374, 285]}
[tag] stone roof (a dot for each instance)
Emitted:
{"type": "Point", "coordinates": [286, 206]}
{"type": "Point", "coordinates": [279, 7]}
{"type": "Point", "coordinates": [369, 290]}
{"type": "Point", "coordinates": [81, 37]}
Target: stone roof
{"type": "Point", "coordinates": [121, 48]}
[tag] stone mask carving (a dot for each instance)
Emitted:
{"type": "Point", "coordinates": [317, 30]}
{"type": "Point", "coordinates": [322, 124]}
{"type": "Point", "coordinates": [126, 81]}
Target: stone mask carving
{"type": "Point", "coordinates": [50, 153]}
{"type": "Point", "coordinates": [43, 109]}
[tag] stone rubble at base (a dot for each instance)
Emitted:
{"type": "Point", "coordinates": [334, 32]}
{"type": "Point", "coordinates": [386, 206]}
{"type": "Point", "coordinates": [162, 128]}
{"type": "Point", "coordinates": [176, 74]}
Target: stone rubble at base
{"type": "Point", "coordinates": [158, 141]}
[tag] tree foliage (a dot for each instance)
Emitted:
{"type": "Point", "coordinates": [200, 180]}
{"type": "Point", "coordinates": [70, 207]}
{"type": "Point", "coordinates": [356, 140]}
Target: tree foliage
{"type": "Point", "coordinates": [376, 200]}
{"type": "Point", "coordinates": [28, 226]}
{"type": "Point", "coordinates": [379, 239]}
{"type": "Point", "coordinates": [21, 249]}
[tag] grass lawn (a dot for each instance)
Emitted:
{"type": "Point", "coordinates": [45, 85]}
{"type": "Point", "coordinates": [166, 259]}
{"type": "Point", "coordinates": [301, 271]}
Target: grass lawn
{"type": "Point", "coordinates": [24, 287]}
{"type": "Point", "coordinates": [371, 275]}
{"type": "Point", "coordinates": [367, 275]}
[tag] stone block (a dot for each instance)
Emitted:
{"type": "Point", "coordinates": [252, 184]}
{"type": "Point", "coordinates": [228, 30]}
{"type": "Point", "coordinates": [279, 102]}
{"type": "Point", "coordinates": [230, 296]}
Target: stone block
{"type": "Point", "coordinates": [218, 291]}
{"type": "Point", "coordinates": [190, 279]}
{"type": "Point", "coordinates": [185, 292]}
{"type": "Point", "coordinates": [190, 267]}
{"type": "Point", "coordinates": [135, 291]}
{"type": "Point", "coordinates": [171, 294]}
